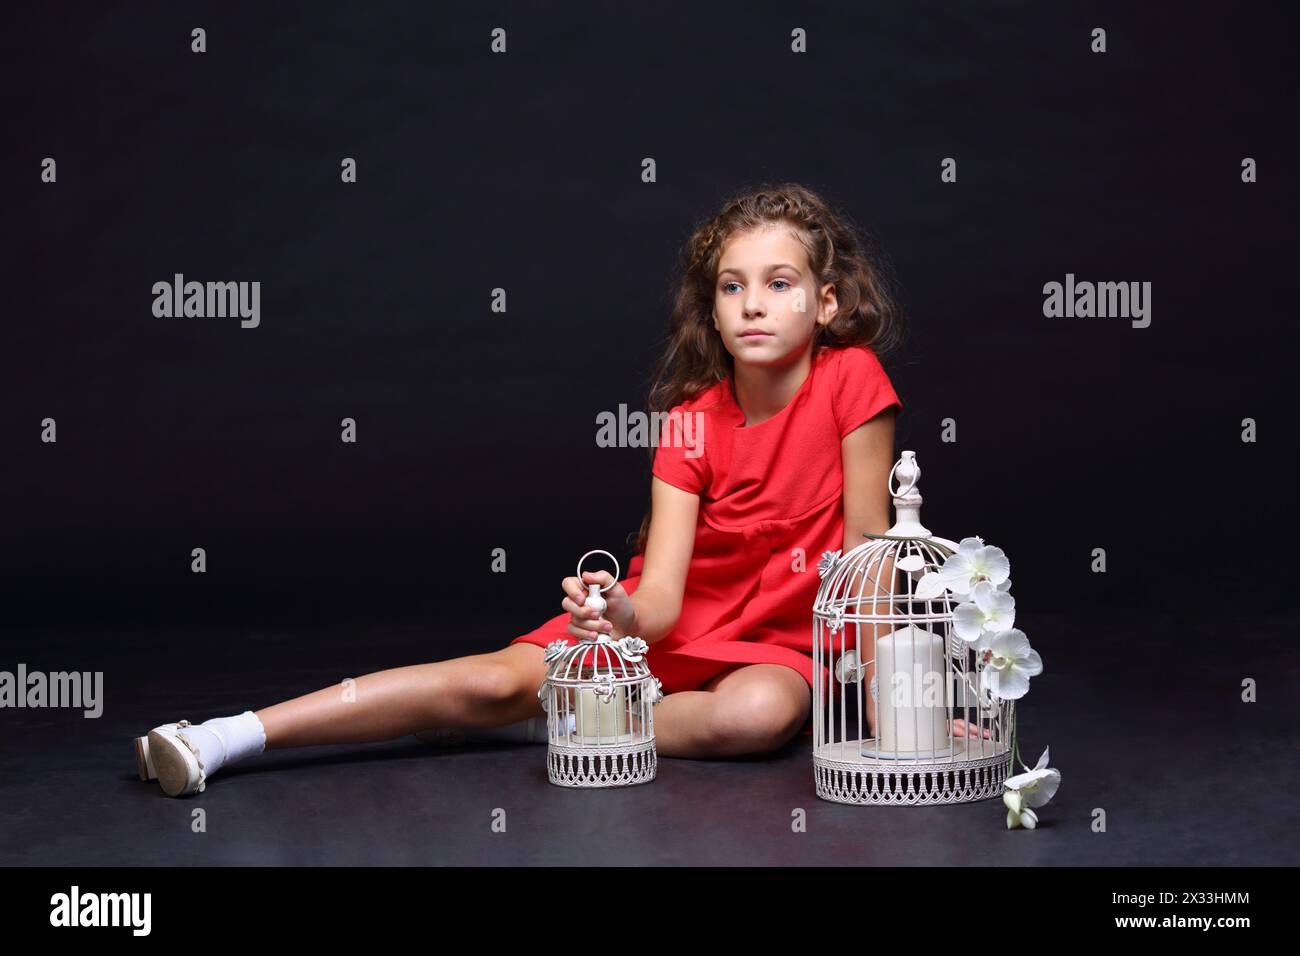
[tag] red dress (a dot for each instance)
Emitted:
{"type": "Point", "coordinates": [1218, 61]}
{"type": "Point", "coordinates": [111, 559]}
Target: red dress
{"type": "Point", "coordinates": [771, 501]}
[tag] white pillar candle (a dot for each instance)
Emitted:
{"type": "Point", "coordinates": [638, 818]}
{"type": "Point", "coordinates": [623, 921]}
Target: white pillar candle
{"type": "Point", "coordinates": [600, 720]}
{"type": "Point", "coordinates": [913, 695]}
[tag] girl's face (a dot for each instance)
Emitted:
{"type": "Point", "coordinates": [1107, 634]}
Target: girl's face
{"type": "Point", "coordinates": [766, 302]}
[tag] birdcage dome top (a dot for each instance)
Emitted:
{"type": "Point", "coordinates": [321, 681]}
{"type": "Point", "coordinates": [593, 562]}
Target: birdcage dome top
{"type": "Point", "coordinates": [600, 663]}
{"type": "Point", "coordinates": [597, 659]}
{"type": "Point", "coordinates": [853, 586]}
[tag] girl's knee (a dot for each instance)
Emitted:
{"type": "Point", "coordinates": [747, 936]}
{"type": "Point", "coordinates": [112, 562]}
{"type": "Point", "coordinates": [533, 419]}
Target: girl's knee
{"type": "Point", "coordinates": [505, 677]}
{"type": "Point", "coordinates": [759, 716]}
{"type": "Point", "coordinates": [495, 680]}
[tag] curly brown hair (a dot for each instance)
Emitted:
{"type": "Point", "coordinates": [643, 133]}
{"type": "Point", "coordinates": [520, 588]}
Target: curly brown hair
{"type": "Point", "coordinates": [838, 250]}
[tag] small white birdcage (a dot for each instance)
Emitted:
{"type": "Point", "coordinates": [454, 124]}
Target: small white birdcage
{"type": "Point", "coordinates": [898, 666]}
{"type": "Point", "coordinates": [599, 696]}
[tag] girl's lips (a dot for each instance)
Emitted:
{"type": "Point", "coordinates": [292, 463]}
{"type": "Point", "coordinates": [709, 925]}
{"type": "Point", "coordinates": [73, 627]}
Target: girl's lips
{"type": "Point", "coordinates": [756, 335]}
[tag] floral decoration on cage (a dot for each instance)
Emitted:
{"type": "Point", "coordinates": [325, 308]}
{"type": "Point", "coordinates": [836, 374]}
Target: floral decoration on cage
{"type": "Point", "coordinates": [936, 618]}
{"type": "Point", "coordinates": [599, 696]}
{"type": "Point", "coordinates": [980, 576]}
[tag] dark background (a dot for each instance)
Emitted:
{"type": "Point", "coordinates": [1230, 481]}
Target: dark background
{"type": "Point", "coordinates": [477, 430]}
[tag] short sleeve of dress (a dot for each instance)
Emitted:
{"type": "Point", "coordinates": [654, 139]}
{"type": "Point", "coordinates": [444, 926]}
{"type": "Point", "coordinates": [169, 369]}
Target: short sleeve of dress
{"type": "Point", "coordinates": [680, 457]}
{"type": "Point", "coordinates": [862, 389]}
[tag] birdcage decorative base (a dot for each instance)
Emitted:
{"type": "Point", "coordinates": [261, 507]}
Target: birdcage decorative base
{"type": "Point", "coordinates": [595, 766]}
{"type": "Point", "coordinates": [843, 775]}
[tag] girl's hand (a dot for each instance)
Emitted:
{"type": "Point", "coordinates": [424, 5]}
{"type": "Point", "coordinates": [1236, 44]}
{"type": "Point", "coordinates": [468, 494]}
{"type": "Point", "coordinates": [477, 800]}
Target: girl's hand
{"type": "Point", "coordinates": [619, 618]}
{"type": "Point", "coordinates": [962, 729]}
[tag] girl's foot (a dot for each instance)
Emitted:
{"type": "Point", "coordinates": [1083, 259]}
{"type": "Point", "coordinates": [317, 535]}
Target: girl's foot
{"type": "Point", "coordinates": [182, 756]}
{"type": "Point", "coordinates": [143, 762]}
{"type": "Point", "coordinates": [176, 754]}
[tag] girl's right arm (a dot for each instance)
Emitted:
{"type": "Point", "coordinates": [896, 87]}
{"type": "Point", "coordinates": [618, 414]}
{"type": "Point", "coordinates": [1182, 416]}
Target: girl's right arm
{"type": "Point", "coordinates": [654, 607]}
{"type": "Point", "coordinates": [669, 546]}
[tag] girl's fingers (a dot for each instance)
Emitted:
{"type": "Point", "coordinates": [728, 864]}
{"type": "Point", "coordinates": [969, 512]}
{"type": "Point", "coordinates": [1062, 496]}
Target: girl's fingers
{"type": "Point", "coordinates": [577, 609]}
{"type": "Point", "coordinates": [605, 580]}
{"type": "Point", "coordinates": [960, 727]}
{"type": "Point", "coordinates": [593, 626]}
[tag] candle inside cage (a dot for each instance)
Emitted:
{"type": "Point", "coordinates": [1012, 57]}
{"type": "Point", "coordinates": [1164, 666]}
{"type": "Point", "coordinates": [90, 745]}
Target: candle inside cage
{"type": "Point", "coordinates": [601, 720]}
{"type": "Point", "coordinates": [914, 705]}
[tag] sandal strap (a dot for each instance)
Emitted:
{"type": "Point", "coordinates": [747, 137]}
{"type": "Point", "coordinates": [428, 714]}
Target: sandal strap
{"type": "Point", "coordinates": [197, 756]}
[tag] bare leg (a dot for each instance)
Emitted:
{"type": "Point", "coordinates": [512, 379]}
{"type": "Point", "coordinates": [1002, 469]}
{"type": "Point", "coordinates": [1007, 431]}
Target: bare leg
{"type": "Point", "coordinates": [479, 690]}
{"type": "Point", "coordinates": [747, 709]}
{"type": "Point", "coordinates": [750, 708]}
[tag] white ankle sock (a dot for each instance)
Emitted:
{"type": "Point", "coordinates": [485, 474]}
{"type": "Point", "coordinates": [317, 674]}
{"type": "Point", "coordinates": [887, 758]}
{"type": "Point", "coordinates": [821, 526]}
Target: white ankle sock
{"type": "Point", "coordinates": [223, 740]}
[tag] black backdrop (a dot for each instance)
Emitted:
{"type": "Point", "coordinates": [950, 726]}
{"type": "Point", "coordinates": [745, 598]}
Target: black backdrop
{"type": "Point", "coordinates": [522, 171]}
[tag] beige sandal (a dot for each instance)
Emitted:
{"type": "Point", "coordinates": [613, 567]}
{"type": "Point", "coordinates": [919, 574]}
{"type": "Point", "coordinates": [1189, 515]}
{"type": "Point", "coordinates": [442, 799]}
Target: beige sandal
{"type": "Point", "coordinates": [143, 762]}
{"type": "Point", "coordinates": [176, 761]}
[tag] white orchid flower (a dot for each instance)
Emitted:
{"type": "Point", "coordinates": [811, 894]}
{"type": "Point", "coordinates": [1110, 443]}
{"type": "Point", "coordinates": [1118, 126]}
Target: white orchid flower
{"type": "Point", "coordinates": [1027, 790]}
{"type": "Point", "coordinates": [1009, 662]}
{"type": "Point", "coordinates": [1018, 815]}
{"type": "Point", "coordinates": [971, 563]}
{"type": "Point", "coordinates": [991, 610]}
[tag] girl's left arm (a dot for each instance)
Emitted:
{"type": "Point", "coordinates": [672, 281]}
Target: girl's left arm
{"type": "Point", "coordinates": [868, 457]}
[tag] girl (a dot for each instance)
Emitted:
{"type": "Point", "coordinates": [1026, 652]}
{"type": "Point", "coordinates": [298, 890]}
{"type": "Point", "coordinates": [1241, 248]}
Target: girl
{"type": "Point", "coordinates": [775, 331]}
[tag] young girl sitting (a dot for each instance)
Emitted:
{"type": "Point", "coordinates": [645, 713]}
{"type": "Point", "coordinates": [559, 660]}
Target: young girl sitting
{"type": "Point", "coordinates": [778, 445]}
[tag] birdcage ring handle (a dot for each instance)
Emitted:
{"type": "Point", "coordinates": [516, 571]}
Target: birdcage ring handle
{"type": "Point", "coordinates": [617, 569]}
{"type": "Point", "coordinates": [890, 480]}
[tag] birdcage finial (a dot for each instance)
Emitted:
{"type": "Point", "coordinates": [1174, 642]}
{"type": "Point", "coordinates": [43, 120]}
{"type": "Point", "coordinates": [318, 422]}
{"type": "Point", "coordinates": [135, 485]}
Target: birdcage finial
{"type": "Point", "coordinates": [907, 499]}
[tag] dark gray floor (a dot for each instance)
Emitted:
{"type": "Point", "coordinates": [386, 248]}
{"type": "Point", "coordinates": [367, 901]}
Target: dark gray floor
{"type": "Point", "coordinates": [1186, 773]}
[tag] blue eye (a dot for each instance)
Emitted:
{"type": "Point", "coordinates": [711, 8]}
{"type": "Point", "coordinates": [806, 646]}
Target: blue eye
{"type": "Point", "coordinates": [726, 284]}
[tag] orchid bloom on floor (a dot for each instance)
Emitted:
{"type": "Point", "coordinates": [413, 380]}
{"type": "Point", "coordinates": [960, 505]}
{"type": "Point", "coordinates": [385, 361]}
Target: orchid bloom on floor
{"type": "Point", "coordinates": [1028, 790]}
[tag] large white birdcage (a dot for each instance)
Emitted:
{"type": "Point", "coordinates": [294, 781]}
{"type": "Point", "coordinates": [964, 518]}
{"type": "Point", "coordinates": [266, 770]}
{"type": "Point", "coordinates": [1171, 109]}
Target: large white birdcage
{"type": "Point", "coordinates": [903, 718]}
{"type": "Point", "coordinates": [599, 697]}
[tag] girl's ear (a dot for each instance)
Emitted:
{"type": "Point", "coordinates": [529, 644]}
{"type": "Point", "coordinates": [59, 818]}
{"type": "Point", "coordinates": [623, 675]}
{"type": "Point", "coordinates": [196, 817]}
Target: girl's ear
{"type": "Point", "coordinates": [828, 309]}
